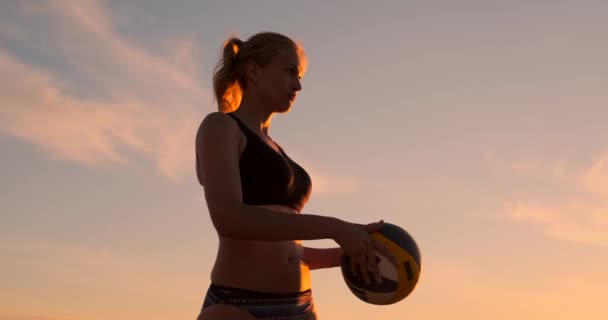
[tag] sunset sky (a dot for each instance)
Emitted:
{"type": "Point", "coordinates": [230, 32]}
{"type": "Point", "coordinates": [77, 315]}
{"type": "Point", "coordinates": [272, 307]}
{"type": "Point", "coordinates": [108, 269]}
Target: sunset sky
{"type": "Point", "coordinates": [478, 126]}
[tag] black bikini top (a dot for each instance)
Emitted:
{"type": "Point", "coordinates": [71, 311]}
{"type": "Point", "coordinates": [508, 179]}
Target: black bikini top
{"type": "Point", "coordinates": [269, 177]}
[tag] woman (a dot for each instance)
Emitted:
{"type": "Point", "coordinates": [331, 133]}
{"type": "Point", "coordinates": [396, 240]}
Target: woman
{"type": "Point", "coordinates": [255, 192]}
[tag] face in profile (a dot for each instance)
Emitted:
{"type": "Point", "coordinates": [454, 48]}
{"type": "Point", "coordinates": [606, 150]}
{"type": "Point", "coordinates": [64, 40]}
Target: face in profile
{"type": "Point", "coordinates": [279, 81]}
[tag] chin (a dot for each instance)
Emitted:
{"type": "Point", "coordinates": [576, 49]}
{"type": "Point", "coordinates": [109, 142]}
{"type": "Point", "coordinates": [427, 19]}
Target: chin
{"type": "Point", "coordinates": [283, 109]}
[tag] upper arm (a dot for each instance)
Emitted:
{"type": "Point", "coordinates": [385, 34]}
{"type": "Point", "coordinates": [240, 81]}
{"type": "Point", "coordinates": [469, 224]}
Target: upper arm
{"type": "Point", "coordinates": [217, 155]}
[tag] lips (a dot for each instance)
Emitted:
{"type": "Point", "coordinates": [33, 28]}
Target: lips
{"type": "Point", "coordinates": [292, 97]}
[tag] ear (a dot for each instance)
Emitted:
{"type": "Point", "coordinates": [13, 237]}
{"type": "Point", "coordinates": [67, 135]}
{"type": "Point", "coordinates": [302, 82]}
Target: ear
{"type": "Point", "coordinates": [252, 72]}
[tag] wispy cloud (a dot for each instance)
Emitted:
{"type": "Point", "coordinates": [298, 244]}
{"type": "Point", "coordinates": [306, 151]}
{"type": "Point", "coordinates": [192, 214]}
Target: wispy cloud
{"type": "Point", "coordinates": [595, 179]}
{"type": "Point", "coordinates": [143, 101]}
{"type": "Point", "coordinates": [111, 97]}
{"type": "Point", "coordinates": [526, 164]}
{"type": "Point", "coordinates": [325, 182]}
{"type": "Point", "coordinates": [582, 217]}
{"type": "Point", "coordinates": [577, 222]}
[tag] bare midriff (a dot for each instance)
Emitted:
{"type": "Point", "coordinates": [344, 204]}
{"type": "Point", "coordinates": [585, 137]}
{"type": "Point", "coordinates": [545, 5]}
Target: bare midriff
{"type": "Point", "coordinates": [265, 266]}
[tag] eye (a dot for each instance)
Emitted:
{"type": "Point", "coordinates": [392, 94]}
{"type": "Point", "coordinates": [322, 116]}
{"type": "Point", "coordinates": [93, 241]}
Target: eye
{"type": "Point", "coordinates": [293, 72]}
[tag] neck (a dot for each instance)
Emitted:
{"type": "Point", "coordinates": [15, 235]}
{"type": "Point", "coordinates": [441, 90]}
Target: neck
{"type": "Point", "coordinates": [253, 114]}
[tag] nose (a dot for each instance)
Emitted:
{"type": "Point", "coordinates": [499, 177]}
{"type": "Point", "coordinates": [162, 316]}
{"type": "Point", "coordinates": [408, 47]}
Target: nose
{"type": "Point", "coordinates": [297, 85]}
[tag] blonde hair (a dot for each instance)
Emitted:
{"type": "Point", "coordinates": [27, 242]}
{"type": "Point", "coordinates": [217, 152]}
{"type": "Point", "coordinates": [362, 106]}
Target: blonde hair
{"type": "Point", "coordinates": [229, 74]}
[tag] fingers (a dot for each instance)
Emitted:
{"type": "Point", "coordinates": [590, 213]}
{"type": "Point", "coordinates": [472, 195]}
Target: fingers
{"type": "Point", "coordinates": [382, 248]}
{"type": "Point", "coordinates": [363, 267]}
{"type": "Point", "coordinates": [353, 265]}
{"type": "Point", "coordinates": [361, 253]}
{"type": "Point", "coordinates": [369, 266]}
{"type": "Point", "coordinates": [360, 263]}
{"type": "Point", "coordinates": [372, 265]}
{"type": "Point", "coordinates": [375, 226]}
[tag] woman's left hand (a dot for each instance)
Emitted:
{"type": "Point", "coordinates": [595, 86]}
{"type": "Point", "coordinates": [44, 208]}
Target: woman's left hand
{"type": "Point", "coordinates": [317, 258]}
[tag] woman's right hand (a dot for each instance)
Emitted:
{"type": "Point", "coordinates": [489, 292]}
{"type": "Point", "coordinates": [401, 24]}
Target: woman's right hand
{"type": "Point", "coordinates": [360, 247]}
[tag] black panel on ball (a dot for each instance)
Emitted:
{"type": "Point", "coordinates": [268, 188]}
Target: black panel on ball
{"type": "Point", "coordinates": [402, 238]}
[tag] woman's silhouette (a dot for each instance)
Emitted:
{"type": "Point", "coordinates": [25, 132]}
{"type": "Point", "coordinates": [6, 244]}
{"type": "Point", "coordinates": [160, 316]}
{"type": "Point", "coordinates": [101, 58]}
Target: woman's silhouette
{"type": "Point", "coordinates": [255, 192]}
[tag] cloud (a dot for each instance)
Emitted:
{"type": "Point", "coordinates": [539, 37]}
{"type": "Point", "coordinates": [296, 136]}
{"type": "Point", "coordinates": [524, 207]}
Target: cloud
{"type": "Point", "coordinates": [581, 216]}
{"type": "Point", "coordinates": [595, 180]}
{"type": "Point", "coordinates": [143, 102]}
{"type": "Point", "coordinates": [524, 164]}
{"type": "Point", "coordinates": [107, 99]}
{"type": "Point", "coordinates": [577, 222]}
{"type": "Point", "coordinates": [326, 183]}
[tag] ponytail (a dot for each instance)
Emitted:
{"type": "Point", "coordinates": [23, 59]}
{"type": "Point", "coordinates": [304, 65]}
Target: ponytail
{"type": "Point", "coordinates": [226, 86]}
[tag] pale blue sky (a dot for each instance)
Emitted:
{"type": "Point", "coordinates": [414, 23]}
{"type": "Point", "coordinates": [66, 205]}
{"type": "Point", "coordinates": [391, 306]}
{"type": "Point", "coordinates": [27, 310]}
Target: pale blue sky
{"type": "Point", "coordinates": [478, 126]}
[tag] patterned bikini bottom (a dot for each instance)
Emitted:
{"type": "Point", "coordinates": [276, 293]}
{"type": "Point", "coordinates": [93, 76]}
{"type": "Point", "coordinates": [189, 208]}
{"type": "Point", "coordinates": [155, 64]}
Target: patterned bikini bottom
{"type": "Point", "coordinates": [262, 305]}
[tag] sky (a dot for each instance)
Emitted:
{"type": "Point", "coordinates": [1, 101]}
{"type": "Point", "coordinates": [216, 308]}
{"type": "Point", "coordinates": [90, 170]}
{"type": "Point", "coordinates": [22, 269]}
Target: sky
{"type": "Point", "coordinates": [477, 126]}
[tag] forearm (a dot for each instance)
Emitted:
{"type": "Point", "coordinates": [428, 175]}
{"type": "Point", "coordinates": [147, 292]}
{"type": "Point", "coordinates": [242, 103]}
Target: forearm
{"type": "Point", "coordinates": [263, 224]}
{"type": "Point", "coordinates": [322, 258]}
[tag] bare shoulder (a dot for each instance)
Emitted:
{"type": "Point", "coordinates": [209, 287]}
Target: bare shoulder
{"type": "Point", "coordinates": [216, 123]}
{"type": "Point", "coordinates": [218, 141]}
{"type": "Point", "coordinates": [216, 128]}
{"type": "Point", "coordinates": [216, 118]}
